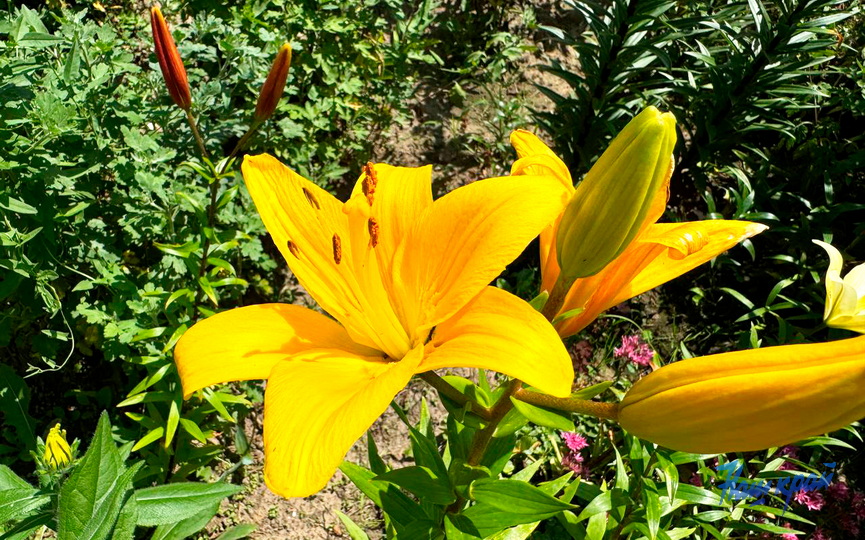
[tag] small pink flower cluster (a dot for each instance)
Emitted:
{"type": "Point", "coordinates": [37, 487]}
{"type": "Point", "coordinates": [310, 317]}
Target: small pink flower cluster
{"type": "Point", "coordinates": [573, 459]}
{"type": "Point", "coordinates": [837, 500]}
{"type": "Point", "coordinates": [635, 349]}
{"type": "Point", "coordinates": [791, 452]}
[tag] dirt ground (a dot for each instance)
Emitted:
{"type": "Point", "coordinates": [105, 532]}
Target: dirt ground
{"type": "Point", "coordinates": [434, 136]}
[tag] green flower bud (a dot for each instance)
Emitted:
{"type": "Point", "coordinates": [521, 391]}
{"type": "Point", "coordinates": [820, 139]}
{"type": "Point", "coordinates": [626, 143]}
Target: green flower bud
{"type": "Point", "coordinates": [610, 205]}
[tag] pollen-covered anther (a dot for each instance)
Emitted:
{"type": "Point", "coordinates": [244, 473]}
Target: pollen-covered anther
{"type": "Point", "coordinates": [337, 249]}
{"type": "Point", "coordinates": [311, 198]}
{"type": "Point", "coordinates": [292, 247]}
{"type": "Point", "coordinates": [372, 225]}
{"type": "Point", "coordinates": [694, 243]}
{"type": "Point", "coordinates": [369, 181]}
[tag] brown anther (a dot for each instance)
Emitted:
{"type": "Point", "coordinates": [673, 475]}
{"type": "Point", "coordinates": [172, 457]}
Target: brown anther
{"type": "Point", "coordinates": [369, 181]}
{"type": "Point", "coordinates": [292, 247]}
{"type": "Point", "coordinates": [311, 198]}
{"type": "Point", "coordinates": [372, 225]}
{"type": "Point", "coordinates": [337, 249]}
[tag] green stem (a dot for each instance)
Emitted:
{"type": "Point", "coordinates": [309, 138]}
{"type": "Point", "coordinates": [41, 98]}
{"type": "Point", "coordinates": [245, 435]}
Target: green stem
{"type": "Point", "coordinates": [557, 297]}
{"type": "Point", "coordinates": [455, 395]}
{"type": "Point", "coordinates": [198, 140]}
{"type": "Point", "coordinates": [500, 409]}
{"type": "Point", "coordinates": [608, 411]}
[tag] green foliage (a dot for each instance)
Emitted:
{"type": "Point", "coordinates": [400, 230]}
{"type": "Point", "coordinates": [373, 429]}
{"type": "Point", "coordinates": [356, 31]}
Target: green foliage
{"type": "Point", "coordinates": [116, 239]}
{"type": "Point", "coordinates": [623, 487]}
{"type": "Point", "coordinates": [97, 501]}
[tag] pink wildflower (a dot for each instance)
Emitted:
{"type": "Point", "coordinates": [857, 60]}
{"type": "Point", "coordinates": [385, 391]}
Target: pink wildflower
{"type": "Point", "coordinates": [575, 441]}
{"type": "Point", "coordinates": [696, 480]}
{"type": "Point", "coordinates": [812, 500]}
{"type": "Point", "coordinates": [787, 466]}
{"type": "Point", "coordinates": [788, 536]}
{"type": "Point", "coordinates": [635, 349]}
{"type": "Point", "coordinates": [574, 461]}
{"type": "Point", "coordinates": [789, 451]}
{"type": "Point", "coordinates": [818, 534]}
{"type": "Point", "coordinates": [838, 491]}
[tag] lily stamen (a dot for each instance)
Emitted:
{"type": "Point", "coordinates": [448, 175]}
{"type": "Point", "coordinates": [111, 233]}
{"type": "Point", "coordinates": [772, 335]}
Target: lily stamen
{"type": "Point", "coordinates": [311, 198]}
{"type": "Point", "coordinates": [337, 249]}
{"type": "Point", "coordinates": [372, 225]}
{"type": "Point", "coordinates": [369, 182]}
{"type": "Point", "coordinates": [292, 247]}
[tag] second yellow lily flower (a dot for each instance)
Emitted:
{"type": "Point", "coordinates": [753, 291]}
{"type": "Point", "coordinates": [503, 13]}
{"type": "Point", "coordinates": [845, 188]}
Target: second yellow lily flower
{"type": "Point", "coordinates": [650, 253]}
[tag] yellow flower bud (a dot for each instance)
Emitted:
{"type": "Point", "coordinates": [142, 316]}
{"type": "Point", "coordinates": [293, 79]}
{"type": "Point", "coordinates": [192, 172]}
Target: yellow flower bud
{"type": "Point", "coordinates": [845, 298]}
{"type": "Point", "coordinates": [749, 400]}
{"type": "Point", "coordinates": [610, 205]}
{"type": "Point", "coordinates": [57, 452]}
{"type": "Point", "coordinates": [273, 86]}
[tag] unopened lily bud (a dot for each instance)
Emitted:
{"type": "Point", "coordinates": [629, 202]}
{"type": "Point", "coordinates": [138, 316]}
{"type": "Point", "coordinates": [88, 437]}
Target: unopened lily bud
{"type": "Point", "coordinates": [57, 452]}
{"type": "Point", "coordinates": [610, 205]}
{"type": "Point", "coordinates": [845, 298]}
{"type": "Point", "coordinates": [270, 93]}
{"type": "Point", "coordinates": [169, 61]}
{"type": "Point", "coordinates": [749, 400]}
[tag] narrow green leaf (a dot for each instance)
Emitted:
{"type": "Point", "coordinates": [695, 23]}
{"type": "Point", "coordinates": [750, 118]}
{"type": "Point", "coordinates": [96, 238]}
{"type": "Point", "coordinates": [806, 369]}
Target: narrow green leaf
{"type": "Point", "coordinates": [19, 502]}
{"type": "Point", "coordinates": [10, 480]}
{"type": "Point", "coordinates": [543, 417]}
{"type": "Point", "coordinates": [386, 496]}
{"type": "Point", "coordinates": [355, 532]}
{"type": "Point", "coordinates": [237, 532]}
{"type": "Point", "coordinates": [162, 505]}
{"type": "Point", "coordinates": [518, 497]}
{"type": "Point", "coordinates": [423, 483]}
{"type": "Point", "coordinates": [182, 530]}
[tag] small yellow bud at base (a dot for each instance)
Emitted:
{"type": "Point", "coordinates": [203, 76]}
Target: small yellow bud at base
{"type": "Point", "coordinates": [57, 451]}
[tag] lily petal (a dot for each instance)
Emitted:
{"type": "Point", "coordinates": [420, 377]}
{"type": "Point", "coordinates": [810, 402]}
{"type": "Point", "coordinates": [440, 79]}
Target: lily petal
{"type": "Point", "coordinates": [399, 196]}
{"type": "Point", "coordinates": [527, 143]}
{"type": "Point", "coordinates": [664, 251]}
{"type": "Point", "coordinates": [465, 239]}
{"type": "Point", "coordinates": [535, 157]}
{"type": "Point", "coordinates": [749, 400]}
{"type": "Point", "coordinates": [316, 406]}
{"type": "Point", "coordinates": [245, 343]}
{"type": "Point", "coordinates": [501, 332]}
{"type": "Point", "coordinates": [311, 230]}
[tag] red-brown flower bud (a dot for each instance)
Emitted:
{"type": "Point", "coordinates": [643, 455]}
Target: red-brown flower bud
{"type": "Point", "coordinates": [270, 93]}
{"type": "Point", "coordinates": [169, 60]}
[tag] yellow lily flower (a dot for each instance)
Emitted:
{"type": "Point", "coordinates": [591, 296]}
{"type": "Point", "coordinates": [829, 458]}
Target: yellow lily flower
{"type": "Point", "coordinates": [407, 279]}
{"type": "Point", "coordinates": [57, 451]}
{"type": "Point", "coordinates": [658, 252]}
{"type": "Point", "coordinates": [749, 400]}
{"type": "Point", "coordinates": [845, 298]}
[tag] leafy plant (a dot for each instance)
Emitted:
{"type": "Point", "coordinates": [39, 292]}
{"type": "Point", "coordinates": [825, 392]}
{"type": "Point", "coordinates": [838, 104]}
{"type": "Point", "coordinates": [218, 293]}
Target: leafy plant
{"type": "Point", "coordinates": [94, 498]}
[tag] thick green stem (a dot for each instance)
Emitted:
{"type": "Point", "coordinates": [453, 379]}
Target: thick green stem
{"type": "Point", "coordinates": [455, 395]}
{"type": "Point", "coordinates": [557, 297]}
{"type": "Point", "coordinates": [608, 411]}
